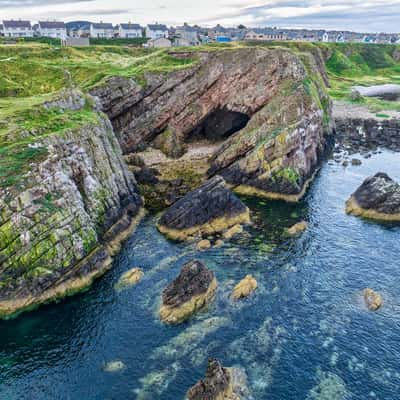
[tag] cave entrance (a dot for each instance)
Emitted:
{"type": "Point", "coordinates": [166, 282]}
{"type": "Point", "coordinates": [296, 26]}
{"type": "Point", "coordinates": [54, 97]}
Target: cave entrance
{"type": "Point", "coordinates": [218, 126]}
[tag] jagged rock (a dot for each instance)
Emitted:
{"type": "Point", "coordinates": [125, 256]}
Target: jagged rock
{"type": "Point", "coordinates": [204, 244]}
{"type": "Point", "coordinates": [373, 300]}
{"type": "Point", "coordinates": [191, 291]}
{"type": "Point", "coordinates": [129, 278]}
{"type": "Point", "coordinates": [377, 198]}
{"type": "Point", "coordinates": [298, 228]}
{"type": "Point", "coordinates": [220, 383]}
{"type": "Point", "coordinates": [68, 213]}
{"type": "Point", "coordinates": [244, 288]}
{"type": "Point", "coordinates": [356, 162]}
{"type": "Point", "coordinates": [210, 209]}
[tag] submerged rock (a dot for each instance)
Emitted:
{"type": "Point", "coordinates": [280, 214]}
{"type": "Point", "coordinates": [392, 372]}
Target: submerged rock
{"type": "Point", "coordinates": [244, 288]}
{"type": "Point", "coordinates": [298, 228]}
{"type": "Point", "coordinates": [377, 198]}
{"type": "Point", "coordinates": [114, 366]}
{"type": "Point", "coordinates": [192, 290]}
{"type": "Point", "coordinates": [373, 300]}
{"type": "Point", "coordinates": [210, 209]}
{"type": "Point", "coordinates": [220, 383]}
{"type": "Point", "coordinates": [129, 278]}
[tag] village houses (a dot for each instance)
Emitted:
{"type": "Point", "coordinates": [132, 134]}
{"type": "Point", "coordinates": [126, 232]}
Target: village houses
{"type": "Point", "coordinates": [129, 31]}
{"type": "Point", "coordinates": [156, 31]}
{"type": "Point", "coordinates": [51, 29]}
{"type": "Point", "coordinates": [102, 30]}
{"type": "Point", "coordinates": [17, 29]}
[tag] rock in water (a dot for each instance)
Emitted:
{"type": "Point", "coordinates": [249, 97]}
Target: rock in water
{"type": "Point", "coordinates": [244, 288]}
{"type": "Point", "coordinates": [220, 383]}
{"type": "Point", "coordinates": [114, 366]}
{"type": "Point", "coordinates": [298, 228]}
{"type": "Point", "coordinates": [129, 278]}
{"type": "Point", "coordinates": [377, 198]}
{"type": "Point", "coordinates": [192, 290]}
{"type": "Point", "coordinates": [203, 244]}
{"type": "Point", "coordinates": [210, 209]}
{"type": "Point", "coordinates": [373, 300]}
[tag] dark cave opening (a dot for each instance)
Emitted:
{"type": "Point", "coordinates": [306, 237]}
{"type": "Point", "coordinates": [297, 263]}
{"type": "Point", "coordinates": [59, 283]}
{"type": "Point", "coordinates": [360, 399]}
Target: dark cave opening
{"type": "Point", "coordinates": [218, 126]}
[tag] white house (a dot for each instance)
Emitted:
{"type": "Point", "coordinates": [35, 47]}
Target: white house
{"type": "Point", "coordinates": [17, 29]}
{"type": "Point", "coordinates": [159, 43]}
{"type": "Point", "coordinates": [156, 31]}
{"type": "Point", "coordinates": [129, 31]}
{"type": "Point", "coordinates": [102, 30]}
{"type": "Point", "coordinates": [52, 29]}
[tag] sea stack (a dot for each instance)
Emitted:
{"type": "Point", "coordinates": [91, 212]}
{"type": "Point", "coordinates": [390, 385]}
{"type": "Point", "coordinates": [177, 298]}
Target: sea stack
{"type": "Point", "coordinates": [191, 291]}
{"type": "Point", "coordinates": [208, 210]}
{"type": "Point", "coordinates": [377, 198]}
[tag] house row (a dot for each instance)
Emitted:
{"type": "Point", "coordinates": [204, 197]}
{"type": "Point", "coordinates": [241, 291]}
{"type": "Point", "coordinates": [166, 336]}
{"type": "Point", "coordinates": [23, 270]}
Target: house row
{"type": "Point", "coordinates": [60, 30]}
{"type": "Point", "coordinates": [184, 35]}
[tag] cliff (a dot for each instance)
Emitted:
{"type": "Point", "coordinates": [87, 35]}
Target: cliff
{"type": "Point", "coordinates": [66, 199]}
{"type": "Point", "coordinates": [266, 110]}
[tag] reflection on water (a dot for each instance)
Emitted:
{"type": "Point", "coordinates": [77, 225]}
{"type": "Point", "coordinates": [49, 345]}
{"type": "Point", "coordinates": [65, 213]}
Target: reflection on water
{"type": "Point", "coordinates": [304, 334]}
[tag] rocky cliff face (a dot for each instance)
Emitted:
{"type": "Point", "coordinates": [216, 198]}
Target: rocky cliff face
{"type": "Point", "coordinates": [61, 223]}
{"type": "Point", "coordinates": [266, 107]}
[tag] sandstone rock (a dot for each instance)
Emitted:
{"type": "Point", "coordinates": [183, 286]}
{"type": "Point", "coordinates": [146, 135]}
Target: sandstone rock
{"type": "Point", "coordinates": [191, 291]}
{"type": "Point", "coordinates": [286, 108]}
{"type": "Point", "coordinates": [129, 278]}
{"type": "Point", "coordinates": [373, 300]}
{"type": "Point", "coordinates": [219, 243]}
{"type": "Point", "coordinates": [210, 209]}
{"type": "Point", "coordinates": [220, 383]}
{"type": "Point", "coordinates": [377, 198]}
{"type": "Point", "coordinates": [244, 288]}
{"type": "Point", "coordinates": [114, 366]}
{"type": "Point", "coordinates": [298, 228]}
{"type": "Point", "coordinates": [204, 244]}
{"type": "Point", "coordinates": [231, 232]}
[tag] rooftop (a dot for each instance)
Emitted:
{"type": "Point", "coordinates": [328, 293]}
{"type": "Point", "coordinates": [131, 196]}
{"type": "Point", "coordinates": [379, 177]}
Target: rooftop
{"type": "Point", "coordinates": [17, 24]}
{"type": "Point", "coordinates": [52, 25]}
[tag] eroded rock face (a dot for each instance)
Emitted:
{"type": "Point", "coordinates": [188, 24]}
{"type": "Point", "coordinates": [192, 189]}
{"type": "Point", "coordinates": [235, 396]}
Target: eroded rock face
{"type": "Point", "coordinates": [192, 290]}
{"type": "Point", "coordinates": [274, 155]}
{"type": "Point", "coordinates": [210, 209]}
{"type": "Point", "coordinates": [377, 198]}
{"type": "Point", "coordinates": [220, 383]}
{"type": "Point", "coordinates": [59, 227]}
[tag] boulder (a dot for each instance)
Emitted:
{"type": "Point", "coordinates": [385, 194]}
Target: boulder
{"type": "Point", "coordinates": [113, 366]}
{"type": "Point", "coordinates": [244, 288]}
{"type": "Point", "coordinates": [129, 278]}
{"type": "Point", "coordinates": [220, 383]}
{"type": "Point", "coordinates": [298, 228]}
{"type": "Point", "coordinates": [373, 300]}
{"type": "Point", "coordinates": [204, 244]}
{"type": "Point", "coordinates": [377, 198]}
{"type": "Point", "coordinates": [191, 291]}
{"type": "Point", "coordinates": [210, 209]}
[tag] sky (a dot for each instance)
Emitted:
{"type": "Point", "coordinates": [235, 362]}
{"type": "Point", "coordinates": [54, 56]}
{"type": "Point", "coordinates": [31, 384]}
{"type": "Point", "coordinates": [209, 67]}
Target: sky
{"type": "Point", "coordinates": [356, 15]}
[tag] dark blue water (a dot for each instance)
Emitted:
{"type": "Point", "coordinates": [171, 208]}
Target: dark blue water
{"type": "Point", "coordinates": [305, 334]}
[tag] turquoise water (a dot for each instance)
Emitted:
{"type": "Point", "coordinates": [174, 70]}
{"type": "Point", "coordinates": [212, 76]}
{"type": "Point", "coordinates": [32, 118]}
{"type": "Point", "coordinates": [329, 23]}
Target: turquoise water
{"type": "Point", "coordinates": [305, 334]}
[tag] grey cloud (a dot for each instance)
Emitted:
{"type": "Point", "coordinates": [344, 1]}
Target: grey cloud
{"type": "Point", "coordinates": [32, 3]}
